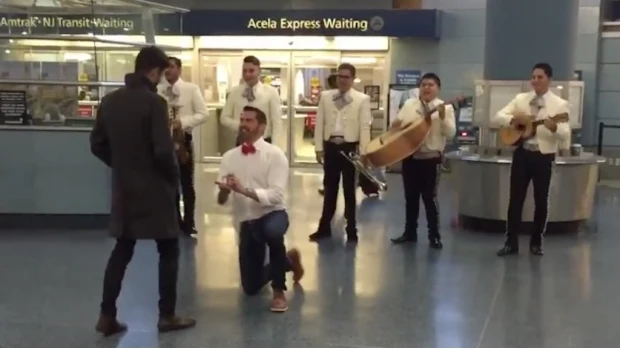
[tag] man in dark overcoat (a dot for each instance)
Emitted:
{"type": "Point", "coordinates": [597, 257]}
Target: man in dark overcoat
{"type": "Point", "coordinates": [132, 136]}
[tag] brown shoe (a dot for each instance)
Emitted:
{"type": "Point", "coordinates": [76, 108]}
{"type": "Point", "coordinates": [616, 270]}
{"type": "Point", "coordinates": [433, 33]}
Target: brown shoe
{"type": "Point", "coordinates": [298, 270]}
{"type": "Point", "coordinates": [109, 326]}
{"type": "Point", "coordinates": [174, 323]}
{"type": "Point", "coordinates": [279, 304]}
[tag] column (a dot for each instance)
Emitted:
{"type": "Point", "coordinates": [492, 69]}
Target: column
{"type": "Point", "coordinates": [521, 33]}
{"type": "Point", "coordinates": [148, 25]}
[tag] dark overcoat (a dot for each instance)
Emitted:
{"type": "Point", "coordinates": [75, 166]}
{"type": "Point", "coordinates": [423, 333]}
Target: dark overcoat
{"type": "Point", "coordinates": [132, 136]}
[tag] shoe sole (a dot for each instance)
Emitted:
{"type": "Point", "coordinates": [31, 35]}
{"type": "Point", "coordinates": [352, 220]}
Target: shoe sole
{"type": "Point", "coordinates": [173, 329]}
{"type": "Point", "coordinates": [279, 310]}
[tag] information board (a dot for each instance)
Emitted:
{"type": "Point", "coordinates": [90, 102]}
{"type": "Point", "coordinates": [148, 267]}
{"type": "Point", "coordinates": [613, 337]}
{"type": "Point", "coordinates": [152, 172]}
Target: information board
{"type": "Point", "coordinates": [408, 77]}
{"type": "Point", "coordinates": [13, 107]}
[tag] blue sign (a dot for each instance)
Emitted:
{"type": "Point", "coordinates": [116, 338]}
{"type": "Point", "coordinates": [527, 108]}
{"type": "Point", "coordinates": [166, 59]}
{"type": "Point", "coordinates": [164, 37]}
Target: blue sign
{"type": "Point", "coordinates": [408, 77]}
{"type": "Point", "coordinates": [394, 23]}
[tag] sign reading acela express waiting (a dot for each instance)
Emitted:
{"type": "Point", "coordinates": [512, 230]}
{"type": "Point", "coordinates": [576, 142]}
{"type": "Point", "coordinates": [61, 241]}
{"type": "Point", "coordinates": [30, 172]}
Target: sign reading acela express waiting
{"type": "Point", "coordinates": [318, 24]}
{"type": "Point", "coordinates": [67, 22]}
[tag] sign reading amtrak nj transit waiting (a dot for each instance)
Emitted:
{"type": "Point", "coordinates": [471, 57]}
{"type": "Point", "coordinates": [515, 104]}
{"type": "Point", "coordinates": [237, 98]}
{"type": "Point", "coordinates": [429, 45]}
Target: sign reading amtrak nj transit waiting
{"type": "Point", "coordinates": [84, 24]}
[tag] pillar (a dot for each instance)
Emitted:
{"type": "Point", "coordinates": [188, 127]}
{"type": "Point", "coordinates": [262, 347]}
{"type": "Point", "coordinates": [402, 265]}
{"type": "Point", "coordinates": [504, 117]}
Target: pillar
{"type": "Point", "coordinates": [148, 25]}
{"type": "Point", "coordinates": [521, 33]}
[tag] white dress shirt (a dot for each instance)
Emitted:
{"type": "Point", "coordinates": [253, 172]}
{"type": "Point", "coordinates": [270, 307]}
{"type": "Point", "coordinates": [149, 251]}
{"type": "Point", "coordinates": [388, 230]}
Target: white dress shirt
{"type": "Point", "coordinates": [441, 130]}
{"type": "Point", "coordinates": [266, 172]}
{"type": "Point", "coordinates": [266, 99]}
{"type": "Point", "coordinates": [192, 107]}
{"type": "Point", "coordinates": [549, 105]}
{"type": "Point", "coordinates": [351, 122]}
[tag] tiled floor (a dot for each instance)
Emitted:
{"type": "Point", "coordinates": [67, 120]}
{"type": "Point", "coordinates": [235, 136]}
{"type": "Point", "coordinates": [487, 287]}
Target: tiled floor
{"type": "Point", "coordinates": [374, 294]}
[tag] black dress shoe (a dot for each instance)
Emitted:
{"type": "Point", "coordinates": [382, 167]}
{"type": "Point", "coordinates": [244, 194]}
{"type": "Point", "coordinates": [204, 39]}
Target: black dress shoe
{"type": "Point", "coordinates": [190, 231]}
{"type": "Point", "coordinates": [320, 235]}
{"type": "Point", "coordinates": [537, 250]}
{"type": "Point", "coordinates": [352, 237]}
{"type": "Point", "coordinates": [508, 250]}
{"type": "Point", "coordinates": [435, 243]}
{"type": "Point", "coordinates": [405, 239]}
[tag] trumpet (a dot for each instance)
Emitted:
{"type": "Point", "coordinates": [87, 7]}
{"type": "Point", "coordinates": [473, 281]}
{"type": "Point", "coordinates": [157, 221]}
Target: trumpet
{"type": "Point", "coordinates": [365, 170]}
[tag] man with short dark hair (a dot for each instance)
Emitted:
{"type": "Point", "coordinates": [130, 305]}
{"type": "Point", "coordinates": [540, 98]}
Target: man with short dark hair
{"type": "Point", "coordinates": [191, 110]}
{"type": "Point", "coordinates": [342, 125]}
{"type": "Point", "coordinates": [252, 92]}
{"type": "Point", "coordinates": [256, 173]}
{"type": "Point", "coordinates": [132, 137]}
{"type": "Point", "coordinates": [420, 171]}
{"type": "Point", "coordinates": [534, 158]}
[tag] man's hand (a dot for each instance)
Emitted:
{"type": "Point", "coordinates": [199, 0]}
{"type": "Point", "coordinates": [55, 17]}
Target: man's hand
{"type": "Point", "coordinates": [223, 185]}
{"type": "Point", "coordinates": [364, 160]}
{"type": "Point", "coordinates": [396, 124]}
{"type": "Point", "coordinates": [234, 184]}
{"type": "Point", "coordinates": [441, 110]}
{"type": "Point", "coordinates": [176, 124]}
{"type": "Point", "coordinates": [551, 125]}
{"type": "Point", "coordinates": [319, 157]}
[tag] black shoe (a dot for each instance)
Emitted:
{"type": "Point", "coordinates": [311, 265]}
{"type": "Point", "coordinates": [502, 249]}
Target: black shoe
{"type": "Point", "coordinates": [406, 238]}
{"type": "Point", "coordinates": [435, 243]}
{"type": "Point", "coordinates": [174, 323]}
{"type": "Point", "coordinates": [352, 237]}
{"type": "Point", "coordinates": [508, 250]}
{"type": "Point", "coordinates": [537, 250]}
{"type": "Point", "coordinates": [320, 235]}
{"type": "Point", "coordinates": [190, 231]}
{"type": "Point", "coordinates": [321, 191]}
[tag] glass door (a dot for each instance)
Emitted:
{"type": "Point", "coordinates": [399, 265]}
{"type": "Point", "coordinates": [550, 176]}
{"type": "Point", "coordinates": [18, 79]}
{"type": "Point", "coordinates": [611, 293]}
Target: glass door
{"type": "Point", "coordinates": [311, 70]}
{"type": "Point", "coordinates": [220, 72]}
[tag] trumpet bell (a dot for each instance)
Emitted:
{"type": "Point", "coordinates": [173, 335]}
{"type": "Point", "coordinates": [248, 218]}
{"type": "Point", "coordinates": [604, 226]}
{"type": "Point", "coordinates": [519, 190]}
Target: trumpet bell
{"type": "Point", "coordinates": [365, 170]}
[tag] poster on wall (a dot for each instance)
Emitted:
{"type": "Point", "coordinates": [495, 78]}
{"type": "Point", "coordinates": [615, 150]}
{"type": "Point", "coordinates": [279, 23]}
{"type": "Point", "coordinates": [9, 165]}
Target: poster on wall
{"type": "Point", "coordinates": [397, 96]}
{"type": "Point", "coordinates": [374, 92]}
{"type": "Point", "coordinates": [13, 107]}
{"type": "Point", "coordinates": [408, 77]}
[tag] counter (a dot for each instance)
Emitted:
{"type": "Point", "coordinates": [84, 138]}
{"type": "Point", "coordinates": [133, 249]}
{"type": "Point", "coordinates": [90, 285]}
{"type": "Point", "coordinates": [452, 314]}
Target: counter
{"type": "Point", "coordinates": [49, 179]}
{"type": "Point", "coordinates": [482, 184]}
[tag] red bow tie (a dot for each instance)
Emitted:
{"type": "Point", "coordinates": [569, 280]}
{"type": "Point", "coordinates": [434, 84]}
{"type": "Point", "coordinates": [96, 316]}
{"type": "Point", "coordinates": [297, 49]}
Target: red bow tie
{"type": "Point", "coordinates": [248, 149]}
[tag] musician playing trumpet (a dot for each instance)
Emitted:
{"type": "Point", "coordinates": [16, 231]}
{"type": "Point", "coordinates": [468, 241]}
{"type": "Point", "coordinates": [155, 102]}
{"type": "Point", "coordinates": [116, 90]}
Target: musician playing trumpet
{"type": "Point", "coordinates": [342, 125]}
{"type": "Point", "coordinates": [533, 159]}
{"type": "Point", "coordinates": [420, 171]}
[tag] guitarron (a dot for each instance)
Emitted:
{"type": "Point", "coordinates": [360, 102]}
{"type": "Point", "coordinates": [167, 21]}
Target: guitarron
{"type": "Point", "coordinates": [525, 129]}
{"type": "Point", "coordinates": [401, 142]}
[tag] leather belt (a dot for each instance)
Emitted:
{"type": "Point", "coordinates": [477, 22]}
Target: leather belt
{"type": "Point", "coordinates": [530, 147]}
{"type": "Point", "coordinates": [337, 140]}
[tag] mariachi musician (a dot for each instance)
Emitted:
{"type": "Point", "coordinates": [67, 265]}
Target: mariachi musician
{"type": "Point", "coordinates": [342, 125]}
{"type": "Point", "coordinates": [187, 110]}
{"type": "Point", "coordinates": [421, 170]}
{"type": "Point", "coordinates": [533, 159]}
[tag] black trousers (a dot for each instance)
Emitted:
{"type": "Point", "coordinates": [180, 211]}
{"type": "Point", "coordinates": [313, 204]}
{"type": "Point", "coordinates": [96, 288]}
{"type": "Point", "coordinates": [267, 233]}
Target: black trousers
{"type": "Point", "coordinates": [421, 179]}
{"type": "Point", "coordinates": [187, 188]}
{"type": "Point", "coordinates": [334, 166]}
{"type": "Point", "coordinates": [538, 168]}
{"type": "Point", "coordinates": [168, 273]}
{"type": "Point", "coordinates": [255, 237]}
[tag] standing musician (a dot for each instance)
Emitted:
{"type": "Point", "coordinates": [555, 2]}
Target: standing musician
{"type": "Point", "coordinates": [192, 112]}
{"type": "Point", "coordinates": [256, 173]}
{"type": "Point", "coordinates": [332, 85]}
{"type": "Point", "coordinates": [342, 124]}
{"type": "Point", "coordinates": [421, 170]}
{"type": "Point", "coordinates": [533, 160]}
{"type": "Point", "coordinates": [254, 93]}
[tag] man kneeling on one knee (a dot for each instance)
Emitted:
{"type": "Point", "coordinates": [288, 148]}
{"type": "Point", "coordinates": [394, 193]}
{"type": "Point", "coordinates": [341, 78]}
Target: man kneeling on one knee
{"type": "Point", "coordinates": [256, 173]}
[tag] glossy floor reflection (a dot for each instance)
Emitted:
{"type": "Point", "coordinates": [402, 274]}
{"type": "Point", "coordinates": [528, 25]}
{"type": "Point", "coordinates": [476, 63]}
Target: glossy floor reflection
{"type": "Point", "coordinates": [374, 294]}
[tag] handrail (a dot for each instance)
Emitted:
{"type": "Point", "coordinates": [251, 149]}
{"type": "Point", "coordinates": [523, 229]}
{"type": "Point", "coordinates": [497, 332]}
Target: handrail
{"type": "Point", "coordinates": [601, 127]}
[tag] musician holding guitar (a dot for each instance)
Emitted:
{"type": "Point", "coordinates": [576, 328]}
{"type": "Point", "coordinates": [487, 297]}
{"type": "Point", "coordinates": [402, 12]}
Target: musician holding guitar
{"type": "Point", "coordinates": [420, 171]}
{"type": "Point", "coordinates": [188, 110]}
{"type": "Point", "coordinates": [541, 118]}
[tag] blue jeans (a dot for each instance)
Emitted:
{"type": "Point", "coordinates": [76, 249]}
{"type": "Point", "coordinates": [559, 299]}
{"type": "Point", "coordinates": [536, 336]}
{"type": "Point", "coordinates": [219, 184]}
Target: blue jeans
{"type": "Point", "coordinates": [255, 236]}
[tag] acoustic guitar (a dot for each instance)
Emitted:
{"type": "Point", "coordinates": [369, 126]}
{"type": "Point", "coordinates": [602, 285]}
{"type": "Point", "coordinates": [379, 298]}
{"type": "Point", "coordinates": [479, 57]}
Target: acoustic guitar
{"type": "Point", "coordinates": [178, 138]}
{"type": "Point", "coordinates": [404, 140]}
{"type": "Point", "coordinates": [522, 130]}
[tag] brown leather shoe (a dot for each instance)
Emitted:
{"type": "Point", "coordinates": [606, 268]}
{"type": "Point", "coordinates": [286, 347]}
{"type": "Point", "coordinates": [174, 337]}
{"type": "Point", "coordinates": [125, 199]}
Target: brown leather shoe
{"type": "Point", "coordinates": [109, 326]}
{"type": "Point", "coordinates": [279, 304]}
{"type": "Point", "coordinates": [298, 270]}
{"type": "Point", "coordinates": [174, 323]}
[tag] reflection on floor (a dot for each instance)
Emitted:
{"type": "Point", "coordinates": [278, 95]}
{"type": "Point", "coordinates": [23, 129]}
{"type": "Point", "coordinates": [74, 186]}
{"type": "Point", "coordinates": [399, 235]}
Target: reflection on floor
{"type": "Point", "coordinates": [374, 294]}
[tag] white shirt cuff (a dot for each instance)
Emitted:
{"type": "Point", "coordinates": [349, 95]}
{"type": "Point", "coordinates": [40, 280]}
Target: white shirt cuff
{"type": "Point", "coordinates": [263, 196]}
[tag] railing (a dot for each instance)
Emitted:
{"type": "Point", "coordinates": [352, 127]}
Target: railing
{"type": "Point", "coordinates": [601, 130]}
